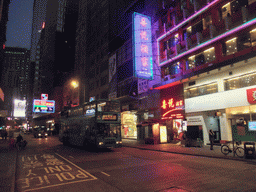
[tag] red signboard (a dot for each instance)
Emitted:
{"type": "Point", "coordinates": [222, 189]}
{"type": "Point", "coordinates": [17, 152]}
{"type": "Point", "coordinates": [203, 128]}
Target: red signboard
{"type": "Point", "coordinates": [251, 95]}
{"type": "Point", "coordinates": [172, 109]}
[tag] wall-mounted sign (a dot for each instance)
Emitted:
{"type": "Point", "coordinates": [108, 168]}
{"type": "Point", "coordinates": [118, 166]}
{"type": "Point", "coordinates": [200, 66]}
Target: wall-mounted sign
{"type": "Point", "coordinates": [43, 106]}
{"type": "Point", "coordinates": [251, 95]}
{"type": "Point", "coordinates": [19, 108]}
{"type": "Point", "coordinates": [142, 46]}
{"type": "Point", "coordinates": [109, 117]}
{"type": "Point", "coordinates": [142, 86]}
{"type": "Point", "coordinates": [172, 109]}
{"type": "Point", "coordinates": [44, 96]}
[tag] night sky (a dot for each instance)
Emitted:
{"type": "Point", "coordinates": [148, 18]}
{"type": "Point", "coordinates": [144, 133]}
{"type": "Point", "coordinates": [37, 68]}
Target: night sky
{"type": "Point", "coordinates": [19, 26]}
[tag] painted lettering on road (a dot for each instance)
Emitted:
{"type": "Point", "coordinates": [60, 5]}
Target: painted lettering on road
{"type": "Point", "coordinates": [49, 170]}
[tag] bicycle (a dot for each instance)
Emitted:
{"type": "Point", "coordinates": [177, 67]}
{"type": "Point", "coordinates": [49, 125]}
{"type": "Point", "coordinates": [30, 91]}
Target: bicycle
{"type": "Point", "coordinates": [239, 151]}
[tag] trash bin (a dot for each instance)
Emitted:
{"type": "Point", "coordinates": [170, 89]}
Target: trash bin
{"type": "Point", "coordinates": [249, 150]}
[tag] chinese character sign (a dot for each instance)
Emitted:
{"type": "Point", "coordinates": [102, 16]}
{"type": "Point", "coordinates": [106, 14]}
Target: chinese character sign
{"type": "Point", "coordinates": [172, 108]}
{"type": "Point", "coordinates": [142, 46]}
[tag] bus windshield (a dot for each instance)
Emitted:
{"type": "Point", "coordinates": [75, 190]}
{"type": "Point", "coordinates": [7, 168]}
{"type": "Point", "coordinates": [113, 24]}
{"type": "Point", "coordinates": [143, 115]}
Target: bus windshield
{"type": "Point", "coordinates": [108, 130]}
{"type": "Point", "coordinates": [108, 106]}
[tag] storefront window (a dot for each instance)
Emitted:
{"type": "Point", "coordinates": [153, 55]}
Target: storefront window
{"type": "Point", "coordinates": [129, 125]}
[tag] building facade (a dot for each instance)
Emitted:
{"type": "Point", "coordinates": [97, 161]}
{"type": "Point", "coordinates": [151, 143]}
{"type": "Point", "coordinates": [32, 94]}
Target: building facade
{"type": "Point", "coordinates": [208, 48]}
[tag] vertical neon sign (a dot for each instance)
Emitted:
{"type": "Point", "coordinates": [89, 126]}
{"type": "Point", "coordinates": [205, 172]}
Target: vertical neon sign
{"type": "Point", "coordinates": [142, 47]}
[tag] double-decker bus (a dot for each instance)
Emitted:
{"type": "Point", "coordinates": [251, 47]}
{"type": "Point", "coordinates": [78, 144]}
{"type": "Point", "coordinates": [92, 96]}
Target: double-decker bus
{"type": "Point", "coordinates": [94, 124]}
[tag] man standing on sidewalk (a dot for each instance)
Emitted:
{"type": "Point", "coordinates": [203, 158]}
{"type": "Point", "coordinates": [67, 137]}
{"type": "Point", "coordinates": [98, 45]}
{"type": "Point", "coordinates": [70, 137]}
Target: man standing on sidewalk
{"type": "Point", "coordinates": [211, 137]}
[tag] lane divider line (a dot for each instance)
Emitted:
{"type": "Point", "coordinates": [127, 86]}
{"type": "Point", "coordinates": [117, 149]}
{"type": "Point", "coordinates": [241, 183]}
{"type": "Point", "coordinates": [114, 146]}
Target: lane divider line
{"type": "Point", "coordinates": [105, 173]}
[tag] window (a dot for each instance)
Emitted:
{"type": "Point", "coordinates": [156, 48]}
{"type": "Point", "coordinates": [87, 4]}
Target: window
{"type": "Point", "coordinates": [174, 68]}
{"type": "Point", "coordinates": [207, 21]}
{"type": "Point", "coordinates": [225, 10]}
{"type": "Point", "coordinates": [209, 55]}
{"type": "Point", "coordinates": [241, 81]}
{"type": "Point", "coordinates": [201, 90]}
{"type": "Point", "coordinates": [231, 46]}
{"type": "Point", "coordinates": [190, 64]}
{"type": "Point", "coordinates": [253, 37]}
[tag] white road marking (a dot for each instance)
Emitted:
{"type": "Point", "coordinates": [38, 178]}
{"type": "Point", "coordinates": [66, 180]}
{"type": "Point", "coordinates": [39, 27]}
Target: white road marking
{"type": "Point", "coordinates": [76, 166]}
{"type": "Point", "coordinates": [105, 173]}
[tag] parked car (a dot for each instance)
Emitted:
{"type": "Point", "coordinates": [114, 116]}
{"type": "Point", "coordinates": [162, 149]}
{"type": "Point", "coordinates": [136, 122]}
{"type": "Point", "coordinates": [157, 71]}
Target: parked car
{"type": "Point", "coordinates": [40, 132]}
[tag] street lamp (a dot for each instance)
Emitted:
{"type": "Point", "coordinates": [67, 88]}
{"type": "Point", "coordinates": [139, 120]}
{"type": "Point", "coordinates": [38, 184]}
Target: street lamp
{"type": "Point", "coordinates": [75, 85]}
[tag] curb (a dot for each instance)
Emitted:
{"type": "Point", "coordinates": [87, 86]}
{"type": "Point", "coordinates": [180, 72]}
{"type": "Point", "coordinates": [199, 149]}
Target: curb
{"type": "Point", "coordinates": [228, 158]}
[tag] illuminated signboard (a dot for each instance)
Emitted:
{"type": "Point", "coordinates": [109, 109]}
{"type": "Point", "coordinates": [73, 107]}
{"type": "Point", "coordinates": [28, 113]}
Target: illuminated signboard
{"type": "Point", "coordinates": [44, 96]}
{"type": "Point", "coordinates": [43, 106]}
{"type": "Point", "coordinates": [172, 109]}
{"type": "Point", "coordinates": [142, 47]}
{"type": "Point", "coordinates": [109, 117]}
{"type": "Point", "coordinates": [19, 108]}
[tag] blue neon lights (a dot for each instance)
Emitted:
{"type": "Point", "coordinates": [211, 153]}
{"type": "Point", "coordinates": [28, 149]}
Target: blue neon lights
{"type": "Point", "coordinates": [142, 47]}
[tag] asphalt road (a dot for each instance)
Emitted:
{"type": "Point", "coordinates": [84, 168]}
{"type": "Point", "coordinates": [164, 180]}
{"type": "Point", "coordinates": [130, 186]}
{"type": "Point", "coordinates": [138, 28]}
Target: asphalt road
{"type": "Point", "coordinates": [47, 165]}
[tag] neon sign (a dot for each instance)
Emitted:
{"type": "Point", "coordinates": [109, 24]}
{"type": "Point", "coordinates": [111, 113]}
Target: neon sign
{"type": "Point", "coordinates": [142, 46]}
{"type": "Point", "coordinates": [43, 106]}
{"type": "Point", "coordinates": [172, 108]}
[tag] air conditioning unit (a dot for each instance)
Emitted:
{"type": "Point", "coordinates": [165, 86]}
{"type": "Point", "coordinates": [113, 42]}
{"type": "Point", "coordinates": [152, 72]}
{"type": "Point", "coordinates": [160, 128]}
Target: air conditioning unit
{"type": "Point", "coordinates": [167, 78]}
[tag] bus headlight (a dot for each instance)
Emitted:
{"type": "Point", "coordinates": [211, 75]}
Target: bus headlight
{"type": "Point", "coordinates": [119, 142]}
{"type": "Point", "coordinates": [100, 143]}
{"type": "Point", "coordinates": [39, 134]}
{"type": "Point", "coordinates": [46, 134]}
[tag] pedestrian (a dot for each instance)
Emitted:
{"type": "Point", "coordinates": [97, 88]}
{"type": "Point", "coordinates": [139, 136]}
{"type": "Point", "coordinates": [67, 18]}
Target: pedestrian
{"type": "Point", "coordinates": [5, 134]}
{"type": "Point", "coordinates": [211, 137]}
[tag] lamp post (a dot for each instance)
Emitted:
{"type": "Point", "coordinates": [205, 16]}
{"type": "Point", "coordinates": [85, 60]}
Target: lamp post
{"type": "Point", "coordinates": [75, 97]}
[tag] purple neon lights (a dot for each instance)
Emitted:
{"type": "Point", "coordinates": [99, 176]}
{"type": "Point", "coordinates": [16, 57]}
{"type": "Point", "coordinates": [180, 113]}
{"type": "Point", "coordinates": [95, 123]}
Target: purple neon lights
{"type": "Point", "coordinates": [142, 46]}
{"type": "Point", "coordinates": [247, 24]}
{"type": "Point", "coordinates": [187, 20]}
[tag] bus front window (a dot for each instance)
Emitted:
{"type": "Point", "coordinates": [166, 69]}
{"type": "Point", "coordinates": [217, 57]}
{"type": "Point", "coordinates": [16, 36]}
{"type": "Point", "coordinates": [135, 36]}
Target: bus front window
{"type": "Point", "coordinates": [109, 130]}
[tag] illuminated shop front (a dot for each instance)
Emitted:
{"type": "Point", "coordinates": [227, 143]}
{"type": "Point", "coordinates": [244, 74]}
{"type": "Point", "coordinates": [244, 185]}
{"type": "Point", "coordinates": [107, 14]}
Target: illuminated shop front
{"type": "Point", "coordinates": [172, 111]}
{"type": "Point", "coordinates": [228, 113]}
{"type": "Point", "coordinates": [129, 125]}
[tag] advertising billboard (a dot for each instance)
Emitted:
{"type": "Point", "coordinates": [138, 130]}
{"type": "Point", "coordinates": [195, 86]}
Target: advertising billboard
{"type": "Point", "coordinates": [43, 106]}
{"type": "Point", "coordinates": [19, 108]}
{"type": "Point", "coordinates": [142, 46]}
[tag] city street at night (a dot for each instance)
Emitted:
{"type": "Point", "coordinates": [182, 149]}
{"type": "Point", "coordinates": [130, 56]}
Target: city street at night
{"type": "Point", "coordinates": [47, 165]}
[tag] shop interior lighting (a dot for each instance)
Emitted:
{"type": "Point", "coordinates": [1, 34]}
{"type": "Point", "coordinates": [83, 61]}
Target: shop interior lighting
{"type": "Point", "coordinates": [239, 28]}
{"type": "Point", "coordinates": [254, 30]}
{"type": "Point", "coordinates": [231, 40]}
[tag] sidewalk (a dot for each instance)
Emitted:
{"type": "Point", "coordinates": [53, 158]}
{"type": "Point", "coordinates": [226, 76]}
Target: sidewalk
{"type": "Point", "coordinates": [7, 166]}
{"type": "Point", "coordinates": [178, 149]}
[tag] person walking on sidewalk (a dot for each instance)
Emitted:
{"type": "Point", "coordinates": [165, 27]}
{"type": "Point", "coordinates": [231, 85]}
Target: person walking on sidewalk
{"type": "Point", "coordinates": [211, 137]}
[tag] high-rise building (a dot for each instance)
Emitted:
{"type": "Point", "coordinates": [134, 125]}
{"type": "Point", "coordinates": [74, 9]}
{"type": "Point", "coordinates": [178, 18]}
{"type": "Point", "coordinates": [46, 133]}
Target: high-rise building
{"type": "Point", "coordinates": [206, 52]}
{"type": "Point", "coordinates": [17, 75]}
{"type": "Point", "coordinates": [54, 53]}
{"type": "Point", "coordinates": [54, 56]}
{"type": "Point", "coordinates": [4, 8]}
